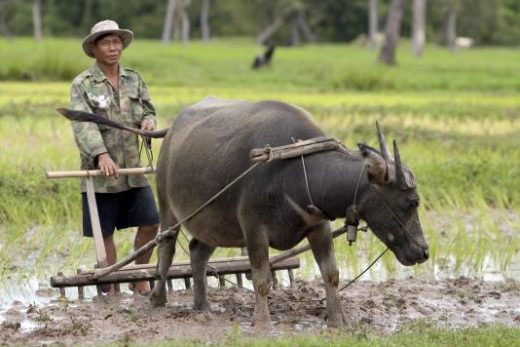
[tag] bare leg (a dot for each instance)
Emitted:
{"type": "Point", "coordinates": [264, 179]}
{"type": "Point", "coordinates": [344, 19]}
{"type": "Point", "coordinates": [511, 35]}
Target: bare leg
{"type": "Point", "coordinates": [111, 252]}
{"type": "Point", "coordinates": [199, 256]}
{"type": "Point", "coordinates": [323, 250]}
{"type": "Point", "coordinates": [110, 249]}
{"type": "Point", "coordinates": [144, 235]}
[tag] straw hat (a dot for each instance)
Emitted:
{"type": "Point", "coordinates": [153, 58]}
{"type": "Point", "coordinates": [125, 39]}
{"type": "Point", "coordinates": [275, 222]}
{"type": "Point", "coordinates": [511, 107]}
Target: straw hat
{"type": "Point", "coordinates": [106, 27]}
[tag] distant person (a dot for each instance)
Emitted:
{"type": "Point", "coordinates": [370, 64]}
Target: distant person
{"type": "Point", "coordinates": [110, 90]}
{"type": "Point", "coordinates": [265, 58]}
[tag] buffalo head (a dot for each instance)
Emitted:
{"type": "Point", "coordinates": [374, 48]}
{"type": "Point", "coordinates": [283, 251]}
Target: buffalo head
{"type": "Point", "coordinates": [390, 203]}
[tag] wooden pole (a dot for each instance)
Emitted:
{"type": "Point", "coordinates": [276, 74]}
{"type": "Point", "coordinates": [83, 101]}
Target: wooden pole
{"type": "Point", "coordinates": [92, 173]}
{"type": "Point", "coordinates": [101, 254]}
{"type": "Point", "coordinates": [296, 251]}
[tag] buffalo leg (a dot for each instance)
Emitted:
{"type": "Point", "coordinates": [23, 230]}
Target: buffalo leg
{"type": "Point", "coordinates": [258, 250]}
{"type": "Point", "coordinates": [322, 247]}
{"type": "Point", "coordinates": [166, 251]}
{"type": "Point", "coordinates": [199, 256]}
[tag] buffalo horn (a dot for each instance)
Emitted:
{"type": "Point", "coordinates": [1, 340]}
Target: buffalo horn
{"type": "Point", "coordinates": [399, 171]}
{"type": "Point", "coordinates": [382, 143]}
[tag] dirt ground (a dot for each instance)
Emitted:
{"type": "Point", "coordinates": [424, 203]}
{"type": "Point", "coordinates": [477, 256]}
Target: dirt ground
{"type": "Point", "coordinates": [380, 307]}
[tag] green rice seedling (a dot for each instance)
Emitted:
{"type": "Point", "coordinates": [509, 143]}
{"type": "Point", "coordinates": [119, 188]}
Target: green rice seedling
{"type": "Point", "coordinates": [454, 116]}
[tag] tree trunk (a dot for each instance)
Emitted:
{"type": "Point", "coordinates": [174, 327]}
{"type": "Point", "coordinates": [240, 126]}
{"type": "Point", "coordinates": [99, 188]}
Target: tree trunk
{"type": "Point", "coordinates": [204, 20]}
{"type": "Point", "coordinates": [4, 30]}
{"type": "Point", "coordinates": [270, 30]}
{"type": "Point", "coordinates": [168, 22]}
{"type": "Point", "coordinates": [372, 24]}
{"type": "Point", "coordinates": [392, 30]}
{"type": "Point", "coordinates": [37, 19]}
{"type": "Point", "coordinates": [295, 30]}
{"type": "Point", "coordinates": [451, 28]}
{"type": "Point", "coordinates": [304, 28]}
{"type": "Point", "coordinates": [185, 19]}
{"type": "Point", "coordinates": [418, 27]}
{"type": "Point", "coordinates": [181, 21]}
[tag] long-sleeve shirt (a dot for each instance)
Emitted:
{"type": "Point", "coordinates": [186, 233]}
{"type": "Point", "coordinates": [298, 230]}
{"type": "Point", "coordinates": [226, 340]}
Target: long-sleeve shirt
{"type": "Point", "coordinates": [92, 92]}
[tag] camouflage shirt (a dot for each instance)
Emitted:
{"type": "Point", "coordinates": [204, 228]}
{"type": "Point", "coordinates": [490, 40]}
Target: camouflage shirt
{"type": "Point", "coordinates": [91, 92]}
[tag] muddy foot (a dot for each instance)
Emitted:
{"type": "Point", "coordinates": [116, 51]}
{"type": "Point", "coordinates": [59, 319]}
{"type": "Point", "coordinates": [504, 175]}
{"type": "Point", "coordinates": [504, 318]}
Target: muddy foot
{"type": "Point", "coordinates": [142, 288]}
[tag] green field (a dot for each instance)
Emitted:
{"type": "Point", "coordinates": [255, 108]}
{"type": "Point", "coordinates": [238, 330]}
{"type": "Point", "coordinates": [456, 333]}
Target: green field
{"type": "Point", "coordinates": [455, 116]}
{"type": "Point", "coordinates": [418, 335]}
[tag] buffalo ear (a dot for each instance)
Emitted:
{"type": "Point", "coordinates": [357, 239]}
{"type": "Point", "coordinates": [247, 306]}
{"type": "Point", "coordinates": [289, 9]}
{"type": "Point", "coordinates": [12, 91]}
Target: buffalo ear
{"type": "Point", "coordinates": [376, 166]}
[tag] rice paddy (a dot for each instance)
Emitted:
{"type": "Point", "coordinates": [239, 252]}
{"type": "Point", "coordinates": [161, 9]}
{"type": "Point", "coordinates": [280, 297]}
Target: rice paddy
{"type": "Point", "coordinates": [456, 118]}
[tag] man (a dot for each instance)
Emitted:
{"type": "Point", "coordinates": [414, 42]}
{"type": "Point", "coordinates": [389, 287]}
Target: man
{"type": "Point", "coordinates": [110, 90]}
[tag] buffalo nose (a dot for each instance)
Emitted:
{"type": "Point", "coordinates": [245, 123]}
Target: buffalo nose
{"type": "Point", "coordinates": [426, 254]}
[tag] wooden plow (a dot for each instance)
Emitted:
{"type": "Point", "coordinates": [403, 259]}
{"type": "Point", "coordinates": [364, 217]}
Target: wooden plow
{"type": "Point", "coordinates": [236, 266]}
{"type": "Point", "coordinates": [219, 268]}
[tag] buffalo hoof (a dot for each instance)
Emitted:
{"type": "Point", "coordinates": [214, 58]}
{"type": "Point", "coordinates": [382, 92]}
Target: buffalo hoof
{"type": "Point", "coordinates": [157, 298]}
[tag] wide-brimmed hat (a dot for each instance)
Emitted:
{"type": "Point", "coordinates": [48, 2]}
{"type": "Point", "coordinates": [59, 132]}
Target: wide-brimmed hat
{"type": "Point", "coordinates": [106, 27]}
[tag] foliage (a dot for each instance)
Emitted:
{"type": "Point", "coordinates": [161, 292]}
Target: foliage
{"type": "Point", "coordinates": [486, 21]}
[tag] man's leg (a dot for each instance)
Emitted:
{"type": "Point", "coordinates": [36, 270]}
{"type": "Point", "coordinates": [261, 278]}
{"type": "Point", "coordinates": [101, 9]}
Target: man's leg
{"type": "Point", "coordinates": [110, 249]}
{"type": "Point", "coordinates": [144, 235]}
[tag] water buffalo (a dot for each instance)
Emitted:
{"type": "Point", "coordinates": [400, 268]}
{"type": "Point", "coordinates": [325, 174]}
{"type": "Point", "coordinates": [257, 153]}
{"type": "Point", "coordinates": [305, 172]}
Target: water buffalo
{"type": "Point", "coordinates": [208, 146]}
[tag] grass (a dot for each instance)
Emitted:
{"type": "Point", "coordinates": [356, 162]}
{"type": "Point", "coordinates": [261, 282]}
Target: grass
{"type": "Point", "coordinates": [417, 335]}
{"type": "Point", "coordinates": [456, 118]}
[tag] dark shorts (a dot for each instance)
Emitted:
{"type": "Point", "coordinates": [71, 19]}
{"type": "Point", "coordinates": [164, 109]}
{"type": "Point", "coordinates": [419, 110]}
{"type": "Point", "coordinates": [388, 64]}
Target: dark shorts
{"type": "Point", "coordinates": [132, 208]}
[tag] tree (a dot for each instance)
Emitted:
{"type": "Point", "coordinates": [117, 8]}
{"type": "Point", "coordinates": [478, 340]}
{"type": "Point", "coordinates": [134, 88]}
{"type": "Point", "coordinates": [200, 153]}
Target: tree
{"type": "Point", "coordinates": [37, 19]}
{"type": "Point", "coordinates": [392, 31]}
{"type": "Point", "coordinates": [181, 23]}
{"type": "Point", "coordinates": [291, 12]}
{"type": "Point", "coordinates": [168, 21]}
{"type": "Point", "coordinates": [4, 29]}
{"type": "Point", "coordinates": [451, 25]}
{"type": "Point", "coordinates": [176, 19]}
{"type": "Point", "coordinates": [372, 24]}
{"type": "Point", "coordinates": [204, 20]}
{"type": "Point", "coordinates": [418, 26]}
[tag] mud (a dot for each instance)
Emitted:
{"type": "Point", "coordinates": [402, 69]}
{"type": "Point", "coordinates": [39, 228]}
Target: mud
{"type": "Point", "coordinates": [380, 307]}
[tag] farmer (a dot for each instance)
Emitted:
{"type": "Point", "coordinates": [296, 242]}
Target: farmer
{"type": "Point", "coordinates": [110, 90]}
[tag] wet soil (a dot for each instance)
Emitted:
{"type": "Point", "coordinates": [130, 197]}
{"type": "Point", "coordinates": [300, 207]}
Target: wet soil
{"type": "Point", "coordinates": [381, 307]}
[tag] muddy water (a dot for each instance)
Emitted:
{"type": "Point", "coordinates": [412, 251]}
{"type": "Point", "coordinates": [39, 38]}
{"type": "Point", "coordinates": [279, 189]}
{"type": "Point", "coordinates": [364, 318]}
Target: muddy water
{"type": "Point", "coordinates": [378, 307]}
{"type": "Point", "coordinates": [384, 300]}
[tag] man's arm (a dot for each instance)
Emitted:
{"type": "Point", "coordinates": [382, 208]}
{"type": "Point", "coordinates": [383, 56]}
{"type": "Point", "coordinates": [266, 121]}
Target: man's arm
{"type": "Point", "coordinates": [87, 135]}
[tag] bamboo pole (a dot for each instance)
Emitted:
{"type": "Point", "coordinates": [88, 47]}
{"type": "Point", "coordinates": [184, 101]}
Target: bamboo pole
{"type": "Point", "coordinates": [90, 173]}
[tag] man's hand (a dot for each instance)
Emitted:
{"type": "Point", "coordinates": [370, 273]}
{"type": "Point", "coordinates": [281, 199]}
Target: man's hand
{"type": "Point", "coordinates": [107, 165]}
{"type": "Point", "coordinates": [147, 124]}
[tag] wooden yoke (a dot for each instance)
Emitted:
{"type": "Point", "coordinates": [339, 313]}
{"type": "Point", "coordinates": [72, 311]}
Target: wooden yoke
{"type": "Point", "coordinates": [101, 255]}
{"type": "Point", "coordinates": [316, 144]}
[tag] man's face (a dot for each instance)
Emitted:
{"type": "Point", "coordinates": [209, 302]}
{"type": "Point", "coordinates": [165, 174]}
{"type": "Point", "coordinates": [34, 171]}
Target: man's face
{"type": "Point", "coordinates": [107, 50]}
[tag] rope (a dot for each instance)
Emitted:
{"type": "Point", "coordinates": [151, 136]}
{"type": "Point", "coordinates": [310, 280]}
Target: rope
{"type": "Point", "coordinates": [146, 143]}
{"type": "Point", "coordinates": [307, 182]}
{"type": "Point", "coordinates": [398, 219]}
{"type": "Point", "coordinates": [358, 182]}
